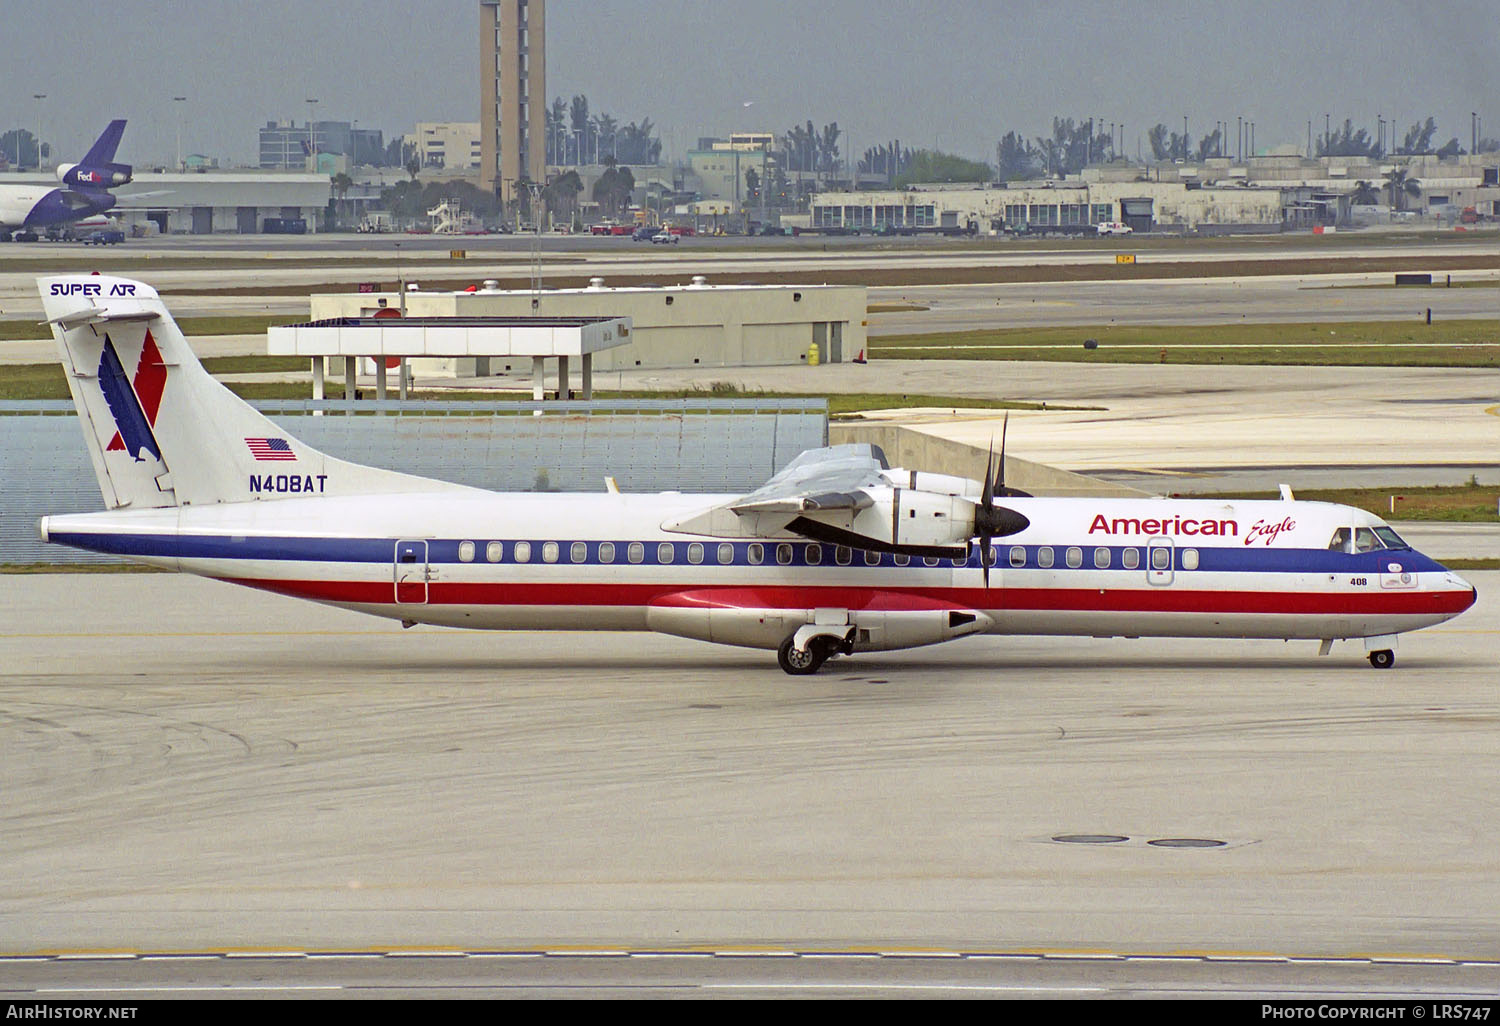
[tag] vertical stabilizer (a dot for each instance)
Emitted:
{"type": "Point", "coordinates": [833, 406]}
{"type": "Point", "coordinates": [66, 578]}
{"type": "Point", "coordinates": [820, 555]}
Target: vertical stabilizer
{"type": "Point", "coordinates": [102, 153]}
{"type": "Point", "coordinates": [160, 430]}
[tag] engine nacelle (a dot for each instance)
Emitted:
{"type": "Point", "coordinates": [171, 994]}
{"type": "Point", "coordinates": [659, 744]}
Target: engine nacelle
{"type": "Point", "coordinates": [942, 484]}
{"type": "Point", "coordinates": [81, 177]}
{"type": "Point", "coordinates": [902, 518]}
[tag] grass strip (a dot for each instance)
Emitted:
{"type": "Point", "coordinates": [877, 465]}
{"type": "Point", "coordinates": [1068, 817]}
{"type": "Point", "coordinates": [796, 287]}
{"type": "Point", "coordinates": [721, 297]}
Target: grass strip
{"type": "Point", "coordinates": [1450, 343]}
{"type": "Point", "coordinates": [1470, 503]}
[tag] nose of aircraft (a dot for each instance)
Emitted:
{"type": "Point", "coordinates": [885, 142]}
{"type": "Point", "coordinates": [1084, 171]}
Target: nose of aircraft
{"type": "Point", "coordinates": [1455, 583]}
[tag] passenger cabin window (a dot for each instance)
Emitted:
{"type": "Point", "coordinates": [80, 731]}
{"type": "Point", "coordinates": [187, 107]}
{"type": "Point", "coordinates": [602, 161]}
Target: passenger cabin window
{"type": "Point", "coordinates": [1161, 559]}
{"type": "Point", "coordinates": [1189, 559]}
{"type": "Point", "coordinates": [784, 555]}
{"type": "Point", "coordinates": [523, 552]}
{"type": "Point", "coordinates": [466, 552]}
{"type": "Point", "coordinates": [695, 553]}
{"type": "Point", "coordinates": [665, 553]}
{"type": "Point", "coordinates": [636, 552]}
{"type": "Point", "coordinates": [1130, 559]}
{"type": "Point", "coordinates": [1017, 556]}
{"type": "Point", "coordinates": [1044, 557]}
{"type": "Point", "coordinates": [814, 555]}
{"type": "Point", "coordinates": [755, 552]}
{"type": "Point", "coordinates": [726, 552]}
{"type": "Point", "coordinates": [901, 560]}
{"type": "Point", "coordinates": [930, 561]}
{"type": "Point", "coordinates": [579, 552]}
{"type": "Point", "coordinates": [872, 558]}
{"type": "Point", "coordinates": [1101, 558]}
{"type": "Point", "coordinates": [606, 552]}
{"type": "Point", "coordinates": [843, 555]}
{"type": "Point", "coordinates": [549, 552]}
{"type": "Point", "coordinates": [494, 552]}
{"type": "Point", "coordinates": [1074, 557]}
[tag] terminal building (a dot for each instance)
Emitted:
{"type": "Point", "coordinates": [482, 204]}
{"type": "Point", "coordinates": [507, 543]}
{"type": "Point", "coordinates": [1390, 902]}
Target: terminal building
{"type": "Point", "coordinates": [1264, 193]}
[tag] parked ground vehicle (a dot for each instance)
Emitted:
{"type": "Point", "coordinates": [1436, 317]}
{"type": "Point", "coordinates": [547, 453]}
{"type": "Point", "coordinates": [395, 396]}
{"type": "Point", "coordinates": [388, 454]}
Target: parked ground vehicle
{"type": "Point", "coordinates": [1114, 228]}
{"type": "Point", "coordinates": [665, 238]}
{"type": "Point", "coordinates": [645, 233]}
{"type": "Point", "coordinates": [105, 237]}
{"type": "Point", "coordinates": [682, 229]}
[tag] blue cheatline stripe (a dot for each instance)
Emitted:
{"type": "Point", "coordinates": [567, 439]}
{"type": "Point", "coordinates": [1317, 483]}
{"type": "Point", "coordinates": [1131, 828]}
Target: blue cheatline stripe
{"type": "Point", "coordinates": [382, 550]}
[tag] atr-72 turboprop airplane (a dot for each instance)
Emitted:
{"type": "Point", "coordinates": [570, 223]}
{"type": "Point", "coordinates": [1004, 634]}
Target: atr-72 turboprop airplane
{"type": "Point", "coordinates": [837, 554]}
{"type": "Point", "coordinates": [85, 190]}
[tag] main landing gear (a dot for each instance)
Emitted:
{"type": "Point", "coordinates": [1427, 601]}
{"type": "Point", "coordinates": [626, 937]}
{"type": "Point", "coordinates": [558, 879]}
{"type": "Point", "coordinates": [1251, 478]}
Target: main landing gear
{"type": "Point", "coordinates": [1383, 659]}
{"type": "Point", "coordinates": [804, 662]}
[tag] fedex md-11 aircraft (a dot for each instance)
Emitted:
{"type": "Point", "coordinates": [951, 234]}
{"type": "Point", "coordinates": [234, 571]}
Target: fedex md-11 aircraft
{"type": "Point", "coordinates": [837, 554]}
{"type": "Point", "coordinates": [84, 193]}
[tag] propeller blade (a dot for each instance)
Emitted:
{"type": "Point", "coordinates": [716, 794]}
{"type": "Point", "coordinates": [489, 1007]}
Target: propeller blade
{"type": "Point", "coordinates": [1004, 430]}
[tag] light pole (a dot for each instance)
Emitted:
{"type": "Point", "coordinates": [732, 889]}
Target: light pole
{"type": "Point", "coordinates": [178, 101]}
{"type": "Point", "coordinates": [312, 130]}
{"type": "Point", "coordinates": [39, 98]}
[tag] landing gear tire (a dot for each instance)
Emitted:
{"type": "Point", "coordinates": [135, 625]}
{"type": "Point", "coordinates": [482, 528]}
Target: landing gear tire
{"type": "Point", "coordinates": [1384, 659]}
{"type": "Point", "coordinates": [799, 663]}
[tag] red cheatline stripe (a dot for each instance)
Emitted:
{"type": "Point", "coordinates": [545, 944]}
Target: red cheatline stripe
{"type": "Point", "coordinates": [442, 593]}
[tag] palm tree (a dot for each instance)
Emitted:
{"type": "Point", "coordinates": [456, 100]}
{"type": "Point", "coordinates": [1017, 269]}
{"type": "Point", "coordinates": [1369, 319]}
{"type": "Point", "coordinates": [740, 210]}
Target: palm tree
{"type": "Point", "coordinates": [413, 167]}
{"type": "Point", "coordinates": [1401, 186]}
{"type": "Point", "coordinates": [561, 194]}
{"type": "Point", "coordinates": [606, 127]}
{"type": "Point", "coordinates": [614, 188]}
{"type": "Point", "coordinates": [341, 184]}
{"type": "Point", "coordinates": [1364, 194]}
{"type": "Point", "coordinates": [579, 113]}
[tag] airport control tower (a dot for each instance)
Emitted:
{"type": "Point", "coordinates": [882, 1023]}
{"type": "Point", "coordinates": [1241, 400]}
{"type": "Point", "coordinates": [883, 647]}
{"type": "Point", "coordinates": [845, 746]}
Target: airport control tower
{"type": "Point", "coordinates": [512, 93]}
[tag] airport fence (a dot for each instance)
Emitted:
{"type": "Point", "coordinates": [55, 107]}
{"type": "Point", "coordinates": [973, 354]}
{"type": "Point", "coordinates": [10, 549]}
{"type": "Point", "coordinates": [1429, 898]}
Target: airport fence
{"type": "Point", "coordinates": [708, 445]}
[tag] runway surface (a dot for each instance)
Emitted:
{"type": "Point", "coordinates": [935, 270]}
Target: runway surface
{"type": "Point", "coordinates": [191, 767]}
{"type": "Point", "coordinates": [267, 263]}
{"type": "Point", "coordinates": [1273, 299]}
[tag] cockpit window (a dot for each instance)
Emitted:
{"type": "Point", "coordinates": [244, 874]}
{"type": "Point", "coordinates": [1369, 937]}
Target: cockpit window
{"type": "Point", "coordinates": [1340, 542]}
{"type": "Point", "coordinates": [1365, 540]}
{"type": "Point", "coordinates": [1391, 538]}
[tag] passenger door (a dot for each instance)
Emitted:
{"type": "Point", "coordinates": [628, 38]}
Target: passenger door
{"type": "Point", "coordinates": [412, 573]}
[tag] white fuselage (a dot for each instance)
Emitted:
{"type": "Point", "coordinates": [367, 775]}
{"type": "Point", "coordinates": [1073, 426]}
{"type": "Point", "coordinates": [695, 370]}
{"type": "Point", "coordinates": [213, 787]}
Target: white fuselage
{"type": "Point", "coordinates": [603, 562]}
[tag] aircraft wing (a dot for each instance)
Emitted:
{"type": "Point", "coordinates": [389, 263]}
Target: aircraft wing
{"type": "Point", "coordinates": [843, 495]}
{"type": "Point", "coordinates": [123, 200]}
{"type": "Point", "coordinates": [820, 479]}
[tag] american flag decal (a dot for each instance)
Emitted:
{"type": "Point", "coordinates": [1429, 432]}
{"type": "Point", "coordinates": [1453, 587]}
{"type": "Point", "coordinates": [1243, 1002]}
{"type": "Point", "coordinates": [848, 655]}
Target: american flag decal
{"type": "Point", "coordinates": [271, 449]}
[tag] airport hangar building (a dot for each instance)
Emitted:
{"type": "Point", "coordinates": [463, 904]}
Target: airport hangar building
{"type": "Point", "coordinates": [672, 326]}
{"type": "Point", "coordinates": [212, 202]}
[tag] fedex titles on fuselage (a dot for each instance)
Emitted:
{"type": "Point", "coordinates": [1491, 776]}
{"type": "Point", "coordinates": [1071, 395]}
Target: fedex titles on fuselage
{"type": "Point", "coordinates": [1261, 532]}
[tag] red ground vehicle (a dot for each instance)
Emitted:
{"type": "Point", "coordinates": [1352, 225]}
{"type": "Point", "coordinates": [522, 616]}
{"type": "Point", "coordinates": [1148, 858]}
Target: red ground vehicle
{"type": "Point", "coordinates": [682, 229]}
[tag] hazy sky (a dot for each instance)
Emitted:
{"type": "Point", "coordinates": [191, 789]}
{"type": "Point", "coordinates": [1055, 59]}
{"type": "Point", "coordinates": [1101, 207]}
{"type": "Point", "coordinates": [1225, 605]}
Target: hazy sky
{"type": "Point", "coordinates": [945, 72]}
